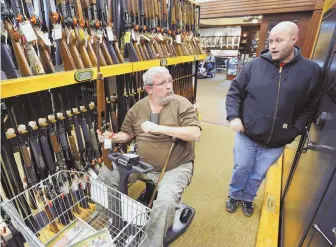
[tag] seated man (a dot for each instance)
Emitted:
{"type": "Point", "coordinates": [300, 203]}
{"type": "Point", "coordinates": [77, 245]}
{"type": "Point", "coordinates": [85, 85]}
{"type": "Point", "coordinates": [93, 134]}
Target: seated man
{"type": "Point", "coordinates": [177, 118]}
{"type": "Point", "coordinates": [209, 62]}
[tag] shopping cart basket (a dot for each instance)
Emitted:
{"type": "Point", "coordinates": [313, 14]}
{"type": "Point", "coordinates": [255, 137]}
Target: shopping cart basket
{"type": "Point", "coordinates": [68, 196]}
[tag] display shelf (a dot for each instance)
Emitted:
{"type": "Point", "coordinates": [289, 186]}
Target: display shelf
{"type": "Point", "coordinates": [25, 85]}
{"type": "Point", "coordinates": [139, 66]}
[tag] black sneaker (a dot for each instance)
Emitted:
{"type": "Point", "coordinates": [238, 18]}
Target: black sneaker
{"type": "Point", "coordinates": [247, 208]}
{"type": "Point", "coordinates": [231, 204]}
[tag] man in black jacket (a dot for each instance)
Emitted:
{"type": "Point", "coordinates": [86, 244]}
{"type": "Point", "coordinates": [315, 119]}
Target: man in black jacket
{"type": "Point", "coordinates": [269, 103]}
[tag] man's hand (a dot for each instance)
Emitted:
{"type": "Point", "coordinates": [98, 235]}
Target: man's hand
{"type": "Point", "coordinates": [103, 136]}
{"type": "Point", "coordinates": [149, 127]}
{"type": "Point", "coordinates": [236, 125]}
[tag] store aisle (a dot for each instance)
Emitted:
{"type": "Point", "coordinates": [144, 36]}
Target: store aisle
{"type": "Point", "coordinates": [210, 100]}
{"type": "Point", "coordinates": [208, 191]}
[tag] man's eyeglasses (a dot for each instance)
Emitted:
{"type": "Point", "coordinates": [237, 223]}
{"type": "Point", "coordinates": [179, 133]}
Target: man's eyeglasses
{"type": "Point", "coordinates": [162, 83]}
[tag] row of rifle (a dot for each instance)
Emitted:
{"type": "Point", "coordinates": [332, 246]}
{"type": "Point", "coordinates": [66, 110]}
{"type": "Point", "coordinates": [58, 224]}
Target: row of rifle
{"type": "Point", "coordinates": [49, 131]}
{"type": "Point", "coordinates": [39, 36]}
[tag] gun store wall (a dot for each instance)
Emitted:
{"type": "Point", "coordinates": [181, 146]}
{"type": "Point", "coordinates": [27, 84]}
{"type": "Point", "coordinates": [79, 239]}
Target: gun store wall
{"type": "Point", "coordinates": [140, 122]}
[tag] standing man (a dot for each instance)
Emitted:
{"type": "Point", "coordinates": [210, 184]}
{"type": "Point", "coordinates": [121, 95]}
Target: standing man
{"type": "Point", "coordinates": [269, 103]}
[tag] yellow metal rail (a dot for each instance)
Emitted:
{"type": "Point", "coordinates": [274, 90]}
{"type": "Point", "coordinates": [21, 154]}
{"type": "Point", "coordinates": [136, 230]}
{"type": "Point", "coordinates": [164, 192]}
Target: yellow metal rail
{"type": "Point", "coordinates": [268, 231]}
{"type": "Point", "coordinates": [25, 85]}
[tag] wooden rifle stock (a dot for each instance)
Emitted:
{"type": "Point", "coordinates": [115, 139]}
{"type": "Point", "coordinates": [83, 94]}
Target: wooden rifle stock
{"type": "Point", "coordinates": [101, 108]}
{"type": "Point", "coordinates": [20, 57]}
{"type": "Point", "coordinates": [117, 50]}
{"type": "Point", "coordinates": [92, 54]}
{"type": "Point", "coordinates": [137, 50]}
{"type": "Point", "coordinates": [54, 143]}
{"type": "Point", "coordinates": [74, 51]}
{"type": "Point", "coordinates": [45, 56]}
{"type": "Point", "coordinates": [82, 49]}
{"type": "Point", "coordinates": [106, 53]}
{"type": "Point", "coordinates": [34, 60]}
{"type": "Point", "coordinates": [75, 153]}
{"type": "Point", "coordinates": [68, 62]}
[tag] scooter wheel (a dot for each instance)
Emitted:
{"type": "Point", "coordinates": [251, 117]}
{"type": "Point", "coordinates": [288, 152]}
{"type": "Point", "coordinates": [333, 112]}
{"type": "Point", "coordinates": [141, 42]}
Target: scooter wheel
{"type": "Point", "coordinates": [185, 215]}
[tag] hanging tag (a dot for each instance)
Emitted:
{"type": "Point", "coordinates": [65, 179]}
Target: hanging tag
{"type": "Point", "coordinates": [160, 37]}
{"type": "Point", "coordinates": [145, 37]}
{"type": "Point", "coordinates": [57, 32]}
{"type": "Point", "coordinates": [178, 39]}
{"type": "Point", "coordinates": [100, 36]}
{"type": "Point", "coordinates": [127, 37]}
{"type": "Point", "coordinates": [81, 33]}
{"type": "Point", "coordinates": [27, 30]}
{"type": "Point", "coordinates": [109, 33]}
{"type": "Point", "coordinates": [133, 35]}
{"type": "Point", "coordinates": [107, 143]}
{"type": "Point", "coordinates": [44, 37]}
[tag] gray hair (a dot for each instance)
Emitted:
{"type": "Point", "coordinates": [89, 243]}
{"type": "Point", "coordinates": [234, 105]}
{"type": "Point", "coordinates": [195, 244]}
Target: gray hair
{"type": "Point", "coordinates": [148, 76]}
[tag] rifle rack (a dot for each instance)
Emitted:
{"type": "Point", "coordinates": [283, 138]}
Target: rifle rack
{"type": "Point", "coordinates": [25, 85]}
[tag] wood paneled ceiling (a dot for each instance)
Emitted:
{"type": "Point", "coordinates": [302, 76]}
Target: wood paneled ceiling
{"type": "Point", "coordinates": [233, 8]}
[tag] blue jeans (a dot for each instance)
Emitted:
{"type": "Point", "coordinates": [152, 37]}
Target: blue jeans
{"type": "Point", "coordinates": [251, 163]}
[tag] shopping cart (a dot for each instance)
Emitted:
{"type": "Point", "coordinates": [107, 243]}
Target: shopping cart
{"type": "Point", "coordinates": [68, 197]}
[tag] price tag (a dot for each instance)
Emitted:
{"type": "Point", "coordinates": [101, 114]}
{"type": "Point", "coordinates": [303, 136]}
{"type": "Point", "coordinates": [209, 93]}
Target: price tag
{"type": "Point", "coordinates": [93, 174]}
{"type": "Point", "coordinates": [44, 37]}
{"type": "Point", "coordinates": [145, 37]}
{"type": "Point", "coordinates": [138, 39]}
{"type": "Point", "coordinates": [163, 62]}
{"type": "Point", "coordinates": [57, 32]}
{"type": "Point", "coordinates": [109, 32]}
{"type": "Point", "coordinates": [178, 39]}
{"type": "Point", "coordinates": [127, 37]}
{"type": "Point", "coordinates": [107, 143]}
{"type": "Point", "coordinates": [100, 36]}
{"type": "Point", "coordinates": [81, 33]}
{"type": "Point", "coordinates": [133, 35]}
{"type": "Point", "coordinates": [27, 30]}
{"type": "Point", "coordinates": [160, 36]}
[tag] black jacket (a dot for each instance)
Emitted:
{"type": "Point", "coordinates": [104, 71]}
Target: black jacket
{"type": "Point", "coordinates": [275, 104]}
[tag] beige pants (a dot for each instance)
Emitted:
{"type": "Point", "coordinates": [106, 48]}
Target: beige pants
{"type": "Point", "coordinates": [167, 202]}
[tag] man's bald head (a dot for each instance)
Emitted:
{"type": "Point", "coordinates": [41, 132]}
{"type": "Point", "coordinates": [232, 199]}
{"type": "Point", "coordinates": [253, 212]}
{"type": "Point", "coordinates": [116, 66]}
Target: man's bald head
{"type": "Point", "coordinates": [286, 27]}
{"type": "Point", "coordinates": [282, 39]}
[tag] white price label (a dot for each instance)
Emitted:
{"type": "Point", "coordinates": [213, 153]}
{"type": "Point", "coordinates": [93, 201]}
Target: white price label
{"type": "Point", "coordinates": [148, 39]}
{"type": "Point", "coordinates": [46, 40]}
{"type": "Point", "coordinates": [27, 30]}
{"type": "Point", "coordinates": [160, 36]}
{"type": "Point", "coordinates": [178, 39]}
{"type": "Point", "coordinates": [133, 35]}
{"type": "Point", "coordinates": [107, 144]}
{"type": "Point", "coordinates": [109, 32]}
{"type": "Point", "coordinates": [138, 39]}
{"type": "Point", "coordinates": [57, 32]}
{"type": "Point", "coordinates": [100, 36]}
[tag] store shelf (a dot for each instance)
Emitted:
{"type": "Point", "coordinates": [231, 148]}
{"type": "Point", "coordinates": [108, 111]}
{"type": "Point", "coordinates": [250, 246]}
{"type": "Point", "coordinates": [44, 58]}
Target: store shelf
{"type": "Point", "coordinates": [25, 85]}
{"type": "Point", "coordinates": [38, 83]}
{"type": "Point", "coordinates": [139, 66]}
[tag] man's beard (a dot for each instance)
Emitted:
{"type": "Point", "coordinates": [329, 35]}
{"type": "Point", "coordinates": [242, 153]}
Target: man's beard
{"type": "Point", "coordinates": [166, 99]}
